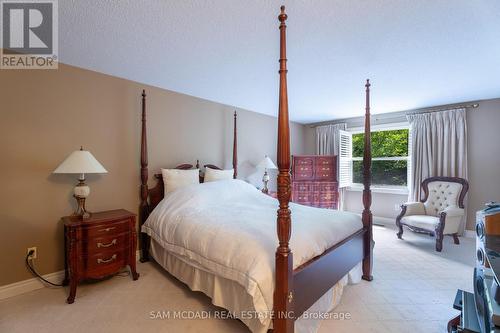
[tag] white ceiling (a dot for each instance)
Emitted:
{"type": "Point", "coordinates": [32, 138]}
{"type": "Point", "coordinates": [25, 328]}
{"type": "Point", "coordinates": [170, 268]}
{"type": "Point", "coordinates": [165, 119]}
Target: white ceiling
{"type": "Point", "coordinates": [417, 53]}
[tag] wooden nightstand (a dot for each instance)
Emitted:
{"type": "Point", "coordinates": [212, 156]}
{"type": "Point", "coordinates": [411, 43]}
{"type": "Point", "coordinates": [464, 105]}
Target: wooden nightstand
{"type": "Point", "coordinates": [98, 247]}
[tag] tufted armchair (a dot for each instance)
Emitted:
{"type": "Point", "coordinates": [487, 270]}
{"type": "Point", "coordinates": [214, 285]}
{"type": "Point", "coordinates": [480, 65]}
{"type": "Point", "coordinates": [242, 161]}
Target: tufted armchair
{"type": "Point", "coordinates": [440, 211]}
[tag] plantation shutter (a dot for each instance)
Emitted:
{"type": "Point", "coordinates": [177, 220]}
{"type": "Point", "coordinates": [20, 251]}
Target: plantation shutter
{"type": "Point", "coordinates": [345, 159]}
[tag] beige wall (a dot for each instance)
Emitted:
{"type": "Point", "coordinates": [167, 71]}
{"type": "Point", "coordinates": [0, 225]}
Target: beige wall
{"type": "Point", "coordinates": [47, 114]}
{"type": "Point", "coordinates": [483, 124]}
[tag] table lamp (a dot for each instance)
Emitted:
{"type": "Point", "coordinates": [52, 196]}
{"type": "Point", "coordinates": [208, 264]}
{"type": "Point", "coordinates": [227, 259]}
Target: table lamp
{"type": "Point", "coordinates": [80, 162]}
{"type": "Point", "coordinates": [266, 164]}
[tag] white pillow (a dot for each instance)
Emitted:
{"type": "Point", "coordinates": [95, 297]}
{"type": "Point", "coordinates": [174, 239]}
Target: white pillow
{"type": "Point", "coordinates": [212, 175]}
{"type": "Point", "coordinates": [174, 178]}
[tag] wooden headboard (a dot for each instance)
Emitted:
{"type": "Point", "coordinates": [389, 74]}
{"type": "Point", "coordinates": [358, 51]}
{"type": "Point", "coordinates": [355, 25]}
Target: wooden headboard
{"type": "Point", "coordinates": [151, 197]}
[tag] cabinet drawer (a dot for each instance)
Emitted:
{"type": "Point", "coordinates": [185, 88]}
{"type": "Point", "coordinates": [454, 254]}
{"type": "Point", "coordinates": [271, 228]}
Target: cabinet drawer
{"type": "Point", "coordinates": [301, 187]}
{"type": "Point", "coordinates": [106, 260]}
{"type": "Point", "coordinates": [304, 175]}
{"type": "Point", "coordinates": [324, 161]}
{"type": "Point", "coordinates": [328, 187]}
{"type": "Point", "coordinates": [324, 173]}
{"type": "Point", "coordinates": [301, 161]}
{"type": "Point", "coordinates": [324, 168]}
{"type": "Point", "coordinates": [108, 242]}
{"type": "Point", "coordinates": [327, 197]}
{"type": "Point", "coordinates": [303, 197]}
{"type": "Point", "coordinates": [109, 229]}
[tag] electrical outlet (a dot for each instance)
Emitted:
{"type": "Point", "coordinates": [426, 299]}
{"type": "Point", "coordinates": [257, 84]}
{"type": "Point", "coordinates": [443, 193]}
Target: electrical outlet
{"type": "Point", "coordinates": [397, 207]}
{"type": "Point", "coordinates": [33, 256]}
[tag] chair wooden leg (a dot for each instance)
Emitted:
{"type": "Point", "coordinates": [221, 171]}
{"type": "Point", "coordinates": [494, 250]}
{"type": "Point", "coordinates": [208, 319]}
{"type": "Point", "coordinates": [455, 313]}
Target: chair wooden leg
{"type": "Point", "coordinates": [439, 232]}
{"type": "Point", "coordinates": [439, 244]}
{"type": "Point", "coordinates": [455, 239]}
{"type": "Point", "coordinates": [398, 222]}
{"type": "Point", "coordinates": [400, 232]}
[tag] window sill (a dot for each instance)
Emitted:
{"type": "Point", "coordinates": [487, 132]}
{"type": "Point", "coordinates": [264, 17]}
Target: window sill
{"type": "Point", "coordinates": [392, 190]}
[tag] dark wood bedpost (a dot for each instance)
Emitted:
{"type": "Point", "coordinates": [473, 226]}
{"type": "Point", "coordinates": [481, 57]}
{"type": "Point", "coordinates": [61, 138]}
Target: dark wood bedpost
{"type": "Point", "coordinates": [367, 217]}
{"type": "Point", "coordinates": [283, 296]}
{"type": "Point", "coordinates": [144, 207]}
{"type": "Point", "coordinates": [235, 148]}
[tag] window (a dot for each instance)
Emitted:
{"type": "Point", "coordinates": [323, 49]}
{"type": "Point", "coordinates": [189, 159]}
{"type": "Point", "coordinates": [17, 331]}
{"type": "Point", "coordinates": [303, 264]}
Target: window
{"type": "Point", "coordinates": [390, 158]}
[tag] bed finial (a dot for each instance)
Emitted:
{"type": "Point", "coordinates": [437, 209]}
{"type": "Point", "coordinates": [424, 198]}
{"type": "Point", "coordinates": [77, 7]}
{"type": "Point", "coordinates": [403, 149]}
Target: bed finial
{"type": "Point", "coordinates": [235, 147]}
{"type": "Point", "coordinates": [367, 217]}
{"type": "Point", "coordinates": [283, 292]}
{"type": "Point", "coordinates": [144, 206]}
{"type": "Point", "coordinates": [282, 16]}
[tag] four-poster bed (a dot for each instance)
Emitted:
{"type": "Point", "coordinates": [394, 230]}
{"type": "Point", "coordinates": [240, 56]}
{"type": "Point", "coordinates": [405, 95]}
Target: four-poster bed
{"type": "Point", "coordinates": [346, 240]}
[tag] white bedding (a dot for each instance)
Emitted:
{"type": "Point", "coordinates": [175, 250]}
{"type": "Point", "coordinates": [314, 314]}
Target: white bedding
{"type": "Point", "coordinates": [229, 229]}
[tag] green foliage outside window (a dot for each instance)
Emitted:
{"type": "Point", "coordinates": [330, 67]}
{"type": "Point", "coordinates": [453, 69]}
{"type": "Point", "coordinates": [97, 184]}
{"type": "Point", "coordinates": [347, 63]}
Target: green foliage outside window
{"type": "Point", "coordinates": [385, 144]}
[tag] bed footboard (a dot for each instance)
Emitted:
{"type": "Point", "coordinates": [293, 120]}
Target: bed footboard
{"type": "Point", "coordinates": [342, 257]}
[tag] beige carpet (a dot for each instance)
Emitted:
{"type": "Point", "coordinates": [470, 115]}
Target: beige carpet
{"type": "Point", "coordinates": [413, 291]}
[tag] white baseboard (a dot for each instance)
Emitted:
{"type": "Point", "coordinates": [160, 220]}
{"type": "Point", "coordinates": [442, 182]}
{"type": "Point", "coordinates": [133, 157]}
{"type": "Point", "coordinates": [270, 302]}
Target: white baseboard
{"type": "Point", "coordinates": [25, 286]}
{"type": "Point", "coordinates": [22, 287]}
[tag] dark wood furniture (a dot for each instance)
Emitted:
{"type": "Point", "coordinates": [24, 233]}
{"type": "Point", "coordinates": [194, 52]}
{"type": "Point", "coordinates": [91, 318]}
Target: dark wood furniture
{"type": "Point", "coordinates": [314, 181]}
{"type": "Point", "coordinates": [295, 290]}
{"type": "Point", "coordinates": [438, 231]}
{"type": "Point", "coordinates": [98, 247]}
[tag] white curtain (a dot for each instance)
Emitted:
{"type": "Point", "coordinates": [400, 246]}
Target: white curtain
{"type": "Point", "coordinates": [439, 148]}
{"type": "Point", "coordinates": [327, 143]}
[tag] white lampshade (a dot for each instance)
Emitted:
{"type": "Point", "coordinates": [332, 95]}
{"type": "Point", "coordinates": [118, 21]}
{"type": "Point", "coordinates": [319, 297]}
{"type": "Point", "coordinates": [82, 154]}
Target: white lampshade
{"type": "Point", "coordinates": [80, 161]}
{"type": "Point", "coordinates": [266, 163]}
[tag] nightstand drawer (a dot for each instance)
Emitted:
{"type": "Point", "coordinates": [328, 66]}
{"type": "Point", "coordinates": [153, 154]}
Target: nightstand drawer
{"type": "Point", "coordinates": [106, 260]}
{"type": "Point", "coordinates": [108, 242]}
{"type": "Point", "coordinates": [114, 228]}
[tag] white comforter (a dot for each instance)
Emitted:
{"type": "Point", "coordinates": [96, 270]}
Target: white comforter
{"type": "Point", "coordinates": [229, 229]}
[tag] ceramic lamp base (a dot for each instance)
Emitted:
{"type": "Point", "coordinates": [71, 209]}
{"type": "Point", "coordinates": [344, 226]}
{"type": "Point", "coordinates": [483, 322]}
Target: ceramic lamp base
{"type": "Point", "coordinates": [265, 180]}
{"type": "Point", "coordinates": [80, 193]}
{"type": "Point", "coordinates": [81, 211]}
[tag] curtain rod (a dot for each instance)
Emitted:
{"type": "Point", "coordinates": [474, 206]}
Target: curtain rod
{"type": "Point", "coordinates": [396, 114]}
{"type": "Point", "coordinates": [451, 107]}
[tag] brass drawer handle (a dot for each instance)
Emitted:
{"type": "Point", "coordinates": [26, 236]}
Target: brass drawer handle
{"type": "Point", "coordinates": [113, 242]}
{"type": "Point", "coordinates": [325, 169]}
{"type": "Point", "coordinates": [108, 229]}
{"type": "Point", "coordinates": [105, 261]}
